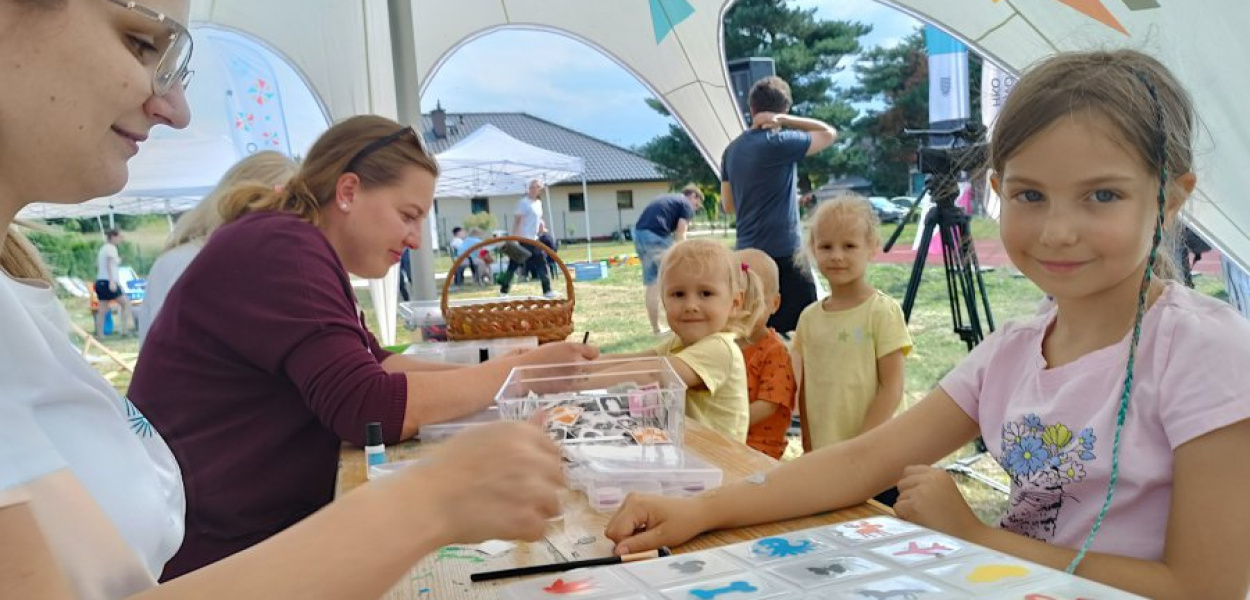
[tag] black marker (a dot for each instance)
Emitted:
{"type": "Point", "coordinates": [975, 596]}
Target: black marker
{"type": "Point", "coordinates": [569, 566]}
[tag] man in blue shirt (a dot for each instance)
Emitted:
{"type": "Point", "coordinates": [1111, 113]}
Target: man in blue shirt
{"type": "Point", "coordinates": [758, 173]}
{"type": "Point", "coordinates": [662, 223]}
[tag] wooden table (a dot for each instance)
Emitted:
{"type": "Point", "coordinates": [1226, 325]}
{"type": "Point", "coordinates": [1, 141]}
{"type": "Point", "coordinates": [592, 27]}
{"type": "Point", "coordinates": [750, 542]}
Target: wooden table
{"type": "Point", "coordinates": [579, 535]}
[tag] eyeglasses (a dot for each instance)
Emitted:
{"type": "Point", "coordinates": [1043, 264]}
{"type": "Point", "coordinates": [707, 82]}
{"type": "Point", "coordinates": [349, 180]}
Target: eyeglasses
{"type": "Point", "coordinates": [380, 143]}
{"type": "Point", "coordinates": [175, 50]}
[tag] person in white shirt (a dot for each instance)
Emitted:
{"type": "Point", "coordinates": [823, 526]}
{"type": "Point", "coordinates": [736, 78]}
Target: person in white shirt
{"type": "Point", "coordinates": [108, 284]}
{"type": "Point", "coordinates": [528, 223]}
{"type": "Point", "coordinates": [266, 167]}
{"type": "Point", "coordinates": [91, 499]}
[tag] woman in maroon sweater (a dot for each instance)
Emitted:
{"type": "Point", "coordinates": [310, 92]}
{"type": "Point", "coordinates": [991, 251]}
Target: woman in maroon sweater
{"type": "Point", "coordinates": [260, 364]}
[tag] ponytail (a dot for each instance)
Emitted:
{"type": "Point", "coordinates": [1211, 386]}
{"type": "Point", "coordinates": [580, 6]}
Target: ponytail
{"type": "Point", "coordinates": [754, 305]}
{"type": "Point", "coordinates": [21, 260]}
{"type": "Point", "coordinates": [248, 198]}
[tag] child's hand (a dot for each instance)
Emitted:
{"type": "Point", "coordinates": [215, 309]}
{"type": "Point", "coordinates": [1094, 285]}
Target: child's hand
{"type": "Point", "coordinates": [928, 497]}
{"type": "Point", "coordinates": [645, 522]}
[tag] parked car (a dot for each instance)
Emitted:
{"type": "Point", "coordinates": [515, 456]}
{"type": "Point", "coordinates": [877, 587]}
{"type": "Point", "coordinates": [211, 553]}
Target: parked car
{"type": "Point", "coordinates": [887, 211]}
{"type": "Point", "coordinates": [905, 202]}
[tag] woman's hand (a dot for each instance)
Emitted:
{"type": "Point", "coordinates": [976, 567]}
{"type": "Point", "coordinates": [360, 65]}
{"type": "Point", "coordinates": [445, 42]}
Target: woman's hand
{"type": "Point", "coordinates": [928, 497]}
{"type": "Point", "coordinates": [560, 353]}
{"type": "Point", "coordinates": [492, 481]}
{"type": "Point", "coordinates": [646, 522]}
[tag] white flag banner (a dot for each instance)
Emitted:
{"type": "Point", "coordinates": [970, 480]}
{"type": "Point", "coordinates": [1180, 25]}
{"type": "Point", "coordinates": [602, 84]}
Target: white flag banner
{"type": "Point", "coordinates": [996, 85]}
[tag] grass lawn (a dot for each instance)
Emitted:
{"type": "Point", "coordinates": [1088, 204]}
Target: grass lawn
{"type": "Point", "coordinates": [612, 310]}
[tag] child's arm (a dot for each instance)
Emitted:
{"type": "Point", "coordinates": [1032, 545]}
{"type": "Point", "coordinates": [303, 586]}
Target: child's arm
{"type": "Point", "coordinates": [804, 431]}
{"type": "Point", "coordinates": [1205, 554]}
{"type": "Point", "coordinates": [776, 385]}
{"type": "Point", "coordinates": [760, 410]}
{"type": "Point", "coordinates": [889, 391]}
{"type": "Point", "coordinates": [687, 374]}
{"type": "Point", "coordinates": [830, 478]}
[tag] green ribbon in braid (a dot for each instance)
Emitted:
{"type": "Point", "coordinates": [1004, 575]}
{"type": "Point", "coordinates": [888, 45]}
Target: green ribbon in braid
{"type": "Point", "coordinates": [1161, 157]}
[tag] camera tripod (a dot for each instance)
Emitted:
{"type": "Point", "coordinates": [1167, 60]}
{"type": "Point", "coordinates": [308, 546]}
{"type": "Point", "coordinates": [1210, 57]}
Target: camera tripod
{"type": "Point", "coordinates": [960, 266]}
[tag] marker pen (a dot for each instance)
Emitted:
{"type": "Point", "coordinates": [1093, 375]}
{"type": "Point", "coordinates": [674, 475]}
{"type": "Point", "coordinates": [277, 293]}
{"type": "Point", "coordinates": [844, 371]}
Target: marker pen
{"type": "Point", "coordinates": [375, 451]}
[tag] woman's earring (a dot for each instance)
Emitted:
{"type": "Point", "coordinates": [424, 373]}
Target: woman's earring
{"type": "Point", "coordinates": [343, 205]}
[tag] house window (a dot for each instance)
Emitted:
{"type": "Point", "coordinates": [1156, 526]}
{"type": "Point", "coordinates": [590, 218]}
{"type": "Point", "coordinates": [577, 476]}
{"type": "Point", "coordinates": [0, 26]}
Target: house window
{"type": "Point", "coordinates": [624, 199]}
{"type": "Point", "coordinates": [577, 202]}
{"type": "Point", "coordinates": [479, 205]}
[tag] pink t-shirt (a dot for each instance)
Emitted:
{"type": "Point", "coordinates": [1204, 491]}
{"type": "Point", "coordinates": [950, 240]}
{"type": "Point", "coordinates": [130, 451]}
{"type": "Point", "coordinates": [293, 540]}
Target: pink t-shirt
{"type": "Point", "coordinates": [1052, 429]}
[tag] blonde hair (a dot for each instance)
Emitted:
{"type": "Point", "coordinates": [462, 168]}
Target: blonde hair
{"type": "Point", "coordinates": [840, 209]}
{"type": "Point", "coordinates": [348, 143]}
{"type": "Point", "coordinates": [764, 267]}
{"type": "Point", "coordinates": [712, 259]}
{"type": "Point", "coordinates": [267, 168]}
{"type": "Point", "coordinates": [20, 259]}
{"type": "Point", "coordinates": [1132, 92]}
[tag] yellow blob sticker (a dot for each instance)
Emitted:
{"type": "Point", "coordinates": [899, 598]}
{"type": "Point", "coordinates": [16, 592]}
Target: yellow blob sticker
{"type": "Point", "coordinates": [995, 573]}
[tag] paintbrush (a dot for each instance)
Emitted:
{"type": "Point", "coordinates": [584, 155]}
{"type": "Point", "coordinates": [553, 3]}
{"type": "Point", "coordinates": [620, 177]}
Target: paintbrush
{"type": "Point", "coordinates": [568, 566]}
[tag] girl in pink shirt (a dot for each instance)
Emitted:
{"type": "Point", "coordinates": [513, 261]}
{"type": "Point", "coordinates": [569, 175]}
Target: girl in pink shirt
{"type": "Point", "coordinates": [1119, 412]}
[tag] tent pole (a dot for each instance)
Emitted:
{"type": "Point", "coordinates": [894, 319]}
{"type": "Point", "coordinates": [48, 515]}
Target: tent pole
{"type": "Point", "coordinates": [550, 216]}
{"type": "Point", "coordinates": [408, 102]}
{"type": "Point", "coordinates": [586, 213]}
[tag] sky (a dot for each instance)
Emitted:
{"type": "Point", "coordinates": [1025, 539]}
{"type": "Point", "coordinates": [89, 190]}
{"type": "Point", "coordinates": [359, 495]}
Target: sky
{"type": "Point", "coordinates": [566, 82]}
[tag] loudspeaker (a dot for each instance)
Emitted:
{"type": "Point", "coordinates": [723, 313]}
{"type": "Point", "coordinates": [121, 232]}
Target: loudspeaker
{"type": "Point", "coordinates": [743, 73]}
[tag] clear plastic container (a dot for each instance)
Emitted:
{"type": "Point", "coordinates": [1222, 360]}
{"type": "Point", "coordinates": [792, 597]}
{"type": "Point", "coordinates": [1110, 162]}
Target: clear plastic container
{"type": "Point", "coordinates": [439, 431]}
{"type": "Point", "coordinates": [470, 352]}
{"type": "Point", "coordinates": [664, 469]}
{"type": "Point", "coordinates": [425, 319]}
{"type": "Point", "coordinates": [620, 402]}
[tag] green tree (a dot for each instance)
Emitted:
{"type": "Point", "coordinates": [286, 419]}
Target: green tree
{"type": "Point", "coordinates": [897, 80]}
{"type": "Point", "coordinates": [806, 52]}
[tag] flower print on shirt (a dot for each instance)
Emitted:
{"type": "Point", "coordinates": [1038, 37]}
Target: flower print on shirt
{"type": "Point", "coordinates": [1041, 459]}
{"type": "Point", "coordinates": [138, 423]}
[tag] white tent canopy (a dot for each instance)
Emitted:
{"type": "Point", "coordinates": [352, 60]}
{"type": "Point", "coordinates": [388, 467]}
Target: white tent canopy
{"type": "Point", "coordinates": [489, 162]}
{"type": "Point", "coordinates": [1204, 48]}
{"type": "Point", "coordinates": [168, 175]}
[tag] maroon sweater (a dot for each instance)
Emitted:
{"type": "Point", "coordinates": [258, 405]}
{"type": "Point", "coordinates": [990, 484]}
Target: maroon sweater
{"type": "Point", "coordinates": [257, 368]}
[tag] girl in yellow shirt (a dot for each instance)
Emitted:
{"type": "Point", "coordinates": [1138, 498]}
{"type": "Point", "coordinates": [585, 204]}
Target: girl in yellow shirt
{"type": "Point", "coordinates": [851, 344]}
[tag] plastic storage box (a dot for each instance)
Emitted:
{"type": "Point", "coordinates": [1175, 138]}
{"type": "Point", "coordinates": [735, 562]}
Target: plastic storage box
{"type": "Point", "coordinates": [439, 431]}
{"type": "Point", "coordinates": [470, 352]}
{"type": "Point", "coordinates": [608, 473]}
{"type": "Point", "coordinates": [589, 271]}
{"type": "Point", "coordinates": [621, 402]}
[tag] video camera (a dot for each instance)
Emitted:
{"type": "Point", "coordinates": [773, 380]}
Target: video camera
{"type": "Point", "coordinates": [949, 151]}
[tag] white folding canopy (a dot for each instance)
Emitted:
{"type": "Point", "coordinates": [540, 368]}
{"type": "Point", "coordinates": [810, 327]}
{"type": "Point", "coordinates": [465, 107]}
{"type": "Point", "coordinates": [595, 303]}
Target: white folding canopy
{"type": "Point", "coordinates": [675, 47]}
{"type": "Point", "coordinates": [168, 175]}
{"type": "Point", "coordinates": [489, 162]}
{"type": "Point", "coordinates": [1203, 43]}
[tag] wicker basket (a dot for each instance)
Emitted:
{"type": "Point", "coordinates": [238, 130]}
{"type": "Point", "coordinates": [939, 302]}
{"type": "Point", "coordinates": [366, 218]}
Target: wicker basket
{"type": "Point", "coordinates": [549, 320]}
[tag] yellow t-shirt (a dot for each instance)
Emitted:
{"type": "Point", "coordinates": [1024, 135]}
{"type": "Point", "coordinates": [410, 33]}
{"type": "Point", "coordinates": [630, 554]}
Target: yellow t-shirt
{"type": "Point", "coordinates": [722, 401]}
{"type": "Point", "coordinates": [839, 351]}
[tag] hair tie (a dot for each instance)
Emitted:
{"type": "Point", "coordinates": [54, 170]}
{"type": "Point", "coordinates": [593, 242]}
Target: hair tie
{"type": "Point", "coordinates": [745, 267]}
{"type": "Point", "coordinates": [277, 189]}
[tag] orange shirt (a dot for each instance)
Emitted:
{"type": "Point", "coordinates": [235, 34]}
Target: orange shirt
{"type": "Point", "coordinates": [770, 377]}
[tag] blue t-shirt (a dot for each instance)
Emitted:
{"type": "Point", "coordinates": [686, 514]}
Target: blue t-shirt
{"type": "Point", "coordinates": [661, 216]}
{"type": "Point", "coordinates": [761, 167]}
{"type": "Point", "coordinates": [469, 242]}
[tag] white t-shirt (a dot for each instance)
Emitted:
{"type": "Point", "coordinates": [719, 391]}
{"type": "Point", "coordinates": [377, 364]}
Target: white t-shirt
{"type": "Point", "coordinates": [531, 212]}
{"type": "Point", "coordinates": [166, 271]}
{"type": "Point", "coordinates": [107, 260]}
{"type": "Point", "coordinates": [68, 440]}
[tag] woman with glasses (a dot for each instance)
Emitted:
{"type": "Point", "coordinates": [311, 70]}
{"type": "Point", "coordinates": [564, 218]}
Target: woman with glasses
{"type": "Point", "coordinates": [91, 499]}
{"type": "Point", "coordinates": [260, 364]}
